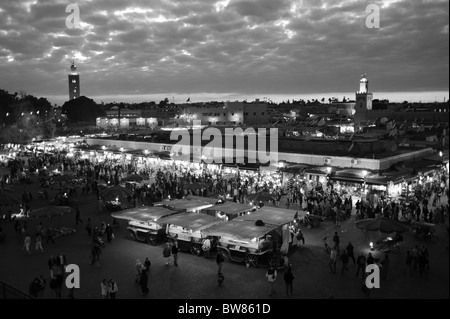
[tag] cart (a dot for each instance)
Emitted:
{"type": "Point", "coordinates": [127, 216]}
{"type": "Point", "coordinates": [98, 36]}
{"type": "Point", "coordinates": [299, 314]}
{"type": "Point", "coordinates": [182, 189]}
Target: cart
{"type": "Point", "coordinates": [424, 230]}
{"type": "Point", "coordinates": [187, 230]}
{"type": "Point", "coordinates": [143, 225]}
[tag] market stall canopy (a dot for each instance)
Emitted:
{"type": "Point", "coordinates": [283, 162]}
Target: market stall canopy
{"type": "Point", "coordinates": [144, 214]}
{"type": "Point", "coordinates": [239, 230]}
{"type": "Point", "coordinates": [274, 215]}
{"type": "Point", "coordinates": [231, 208]}
{"type": "Point", "coordinates": [209, 200]}
{"type": "Point", "coordinates": [50, 211]}
{"type": "Point", "coordinates": [116, 191]}
{"type": "Point", "coordinates": [192, 221]}
{"type": "Point", "coordinates": [381, 224]}
{"type": "Point", "coordinates": [187, 205]}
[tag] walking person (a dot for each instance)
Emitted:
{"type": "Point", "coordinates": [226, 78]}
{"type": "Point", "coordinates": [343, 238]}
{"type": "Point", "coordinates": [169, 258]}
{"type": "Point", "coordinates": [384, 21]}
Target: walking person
{"type": "Point", "coordinates": [104, 289]}
{"type": "Point", "coordinates": [219, 260]}
{"type": "Point", "coordinates": [220, 279]}
{"type": "Point", "coordinates": [112, 289]}
{"type": "Point", "coordinates": [77, 216]}
{"type": "Point", "coordinates": [38, 245]}
{"type": "Point", "coordinates": [89, 227]}
{"type": "Point", "coordinates": [344, 258]}
{"type": "Point", "coordinates": [26, 244]}
{"type": "Point", "coordinates": [408, 263]}
{"type": "Point", "coordinates": [271, 276]}
{"type": "Point", "coordinates": [175, 253]}
{"type": "Point", "coordinates": [139, 268]}
{"type": "Point", "coordinates": [144, 282]}
{"type": "Point", "coordinates": [147, 264]}
{"type": "Point", "coordinates": [349, 249]}
{"type": "Point", "coordinates": [288, 280]}
{"type": "Point", "coordinates": [361, 264]}
{"type": "Point", "coordinates": [167, 253]}
{"type": "Point", "coordinates": [333, 260]}
{"type": "Point", "coordinates": [336, 241]}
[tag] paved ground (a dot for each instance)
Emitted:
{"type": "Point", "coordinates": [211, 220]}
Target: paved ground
{"type": "Point", "coordinates": [196, 276]}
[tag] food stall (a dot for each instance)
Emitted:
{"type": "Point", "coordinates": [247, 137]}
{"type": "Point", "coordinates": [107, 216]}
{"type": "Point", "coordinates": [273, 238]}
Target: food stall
{"type": "Point", "coordinates": [185, 205]}
{"type": "Point", "coordinates": [188, 228]}
{"type": "Point", "coordinates": [143, 222]}
{"type": "Point", "coordinates": [229, 210]}
{"type": "Point", "coordinates": [246, 242]}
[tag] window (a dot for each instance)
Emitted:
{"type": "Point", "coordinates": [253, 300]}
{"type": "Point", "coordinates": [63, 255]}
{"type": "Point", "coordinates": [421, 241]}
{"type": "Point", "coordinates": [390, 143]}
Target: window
{"type": "Point", "coordinates": [245, 114]}
{"type": "Point", "coordinates": [232, 114]}
{"type": "Point", "coordinates": [263, 113]}
{"type": "Point", "coordinates": [254, 113]}
{"type": "Point", "coordinates": [74, 81]}
{"type": "Point", "coordinates": [205, 114]}
{"type": "Point", "coordinates": [224, 114]}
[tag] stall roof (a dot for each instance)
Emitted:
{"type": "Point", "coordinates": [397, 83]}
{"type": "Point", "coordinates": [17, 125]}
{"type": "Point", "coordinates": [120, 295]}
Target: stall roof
{"type": "Point", "coordinates": [209, 200]}
{"type": "Point", "coordinates": [273, 215]}
{"type": "Point", "coordinates": [192, 221]}
{"type": "Point", "coordinates": [185, 204]}
{"type": "Point", "coordinates": [239, 230]}
{"type": "Point", "coordinates": [144, 214]}
{"type": "Point", "coordinates": [232, 208]}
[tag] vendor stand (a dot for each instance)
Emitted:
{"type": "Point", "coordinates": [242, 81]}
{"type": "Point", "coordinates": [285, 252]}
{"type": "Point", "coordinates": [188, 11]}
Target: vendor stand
{"type": "Point", "coordinates": [143, 222]}
{"type": "Point", "coordinates": [187, 229]}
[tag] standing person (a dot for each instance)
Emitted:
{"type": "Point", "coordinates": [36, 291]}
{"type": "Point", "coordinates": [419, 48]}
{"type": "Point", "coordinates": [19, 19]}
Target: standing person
{"type": "Point", "coordinates": [361, 264]}
{"type": "Point", "coordinates": [175, 253]}
{"type": "Point", "coordinates": [336, 241]}
{"type": "Point", "coordinates": [26, 244]}
{"type": "Point", "coordinates": [104, 289]}
{"type": "Point", "coordinates": [271, 276]}
{"type": "Point", "coordinates": [408, 263]}
{"type": "Point", "coordinates": [89, 227]}
{"type": "Point", "coordinates": [144, 282]}
{"type": "Point", "coordinates": [415, 257]}
{"type": "Point", "coordinates": [370, 259]}
{"type": "Point", "coordinates": [300, 237]}
{"type": "Point", "coordinates": [77, 216]}
{"type": "Point", "coordinates": [61, 260]}
{"type": "Point", "coordinates": [38, 245]}
{"type": "Point", "coordinates": [344, 258]}
{"type": "Point", "coordinates": [147, 264]}
{"type": "Point", "coordinates": [219, 260]}
{"type": "Point", "coordinates": [139, 268]}
{"type": "Point", "coordinates": [167, 253]}
{"type": "Point", "coordinates": [50, 233]}
{"type": "Point", "coordinates": [112, 289]}
{"type": "Point", "coordinates": [288, 280]}
{"type": "Point", "coordinates": [109, 233]}
{"type": "Point", "coordinates": [333, 260]}
{"type": "Point", "coordinates": [350, 252]}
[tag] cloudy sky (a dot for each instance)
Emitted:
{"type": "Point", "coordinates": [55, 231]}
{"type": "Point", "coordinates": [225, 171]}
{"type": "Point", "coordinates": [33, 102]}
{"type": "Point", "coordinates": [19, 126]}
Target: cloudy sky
{"type": "Point", "coordinates": [186, 47]}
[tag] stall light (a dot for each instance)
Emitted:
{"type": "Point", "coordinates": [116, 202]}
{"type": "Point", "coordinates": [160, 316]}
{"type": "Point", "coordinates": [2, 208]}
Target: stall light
{"type": "Point", "coordinates": [364, 173]}
{"type": "Point", "coordinates": [371, 246]}
{"type": "Point", "coordinates": [103, 147]}
{"type": "Point", "coordinates": [441, 154]}
{"type": "Point", "coordinates": [117, 199]}
{"type": "Point", "coordinates": [329, 170]}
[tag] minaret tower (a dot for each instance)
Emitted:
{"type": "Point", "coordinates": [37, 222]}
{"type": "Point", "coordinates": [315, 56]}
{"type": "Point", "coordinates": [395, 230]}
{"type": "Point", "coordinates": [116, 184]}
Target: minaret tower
{"type": "Point", "coordinates": [74, 82]}
{"type": "Point", "coordinates": [363, 96]}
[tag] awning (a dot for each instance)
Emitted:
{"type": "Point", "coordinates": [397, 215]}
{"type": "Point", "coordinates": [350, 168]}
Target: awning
{"type": "Point", "coordinates": [273, 215]}
{"type": "Point", "coordinates": [239, 230]}
{"type": "Point", "coordinates": [144, 214]}
{"type": "Point", "coordinates": [192, 221]}
{"type": "Point", "coordinates": [208, 200]}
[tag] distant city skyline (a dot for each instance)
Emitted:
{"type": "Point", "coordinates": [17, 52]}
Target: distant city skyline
{"type": "Point", "coordinates": [258, 48]}
{"type": "Point", "coordinates": [425, 97]}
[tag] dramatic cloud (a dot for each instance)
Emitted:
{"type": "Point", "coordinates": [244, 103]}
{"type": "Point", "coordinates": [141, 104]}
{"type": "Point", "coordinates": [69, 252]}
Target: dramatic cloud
{"type": "Point", "coordinates": [241, 46]}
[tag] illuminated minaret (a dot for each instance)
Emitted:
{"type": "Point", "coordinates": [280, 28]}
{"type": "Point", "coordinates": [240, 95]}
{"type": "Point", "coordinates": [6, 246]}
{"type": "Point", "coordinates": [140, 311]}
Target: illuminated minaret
{"type": "Point", "coordinates": [363, 96]}
{"type": "Point", "coordinates": [74, 82]}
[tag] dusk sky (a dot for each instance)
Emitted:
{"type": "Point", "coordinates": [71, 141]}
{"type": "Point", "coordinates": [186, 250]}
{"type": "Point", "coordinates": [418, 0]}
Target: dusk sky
{"type": "Point", "coordinates": [241, 47]}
